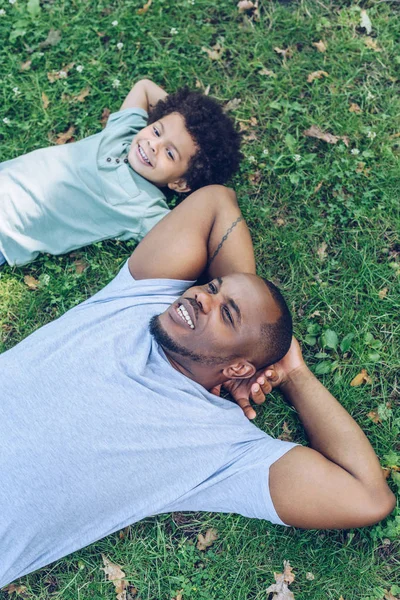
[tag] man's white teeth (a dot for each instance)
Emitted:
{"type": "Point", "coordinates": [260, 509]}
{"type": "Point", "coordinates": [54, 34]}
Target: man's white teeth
{"type": "Point", "coordinates": [143, 155]}
{"type": "Point", "coordinates": [183, 313]}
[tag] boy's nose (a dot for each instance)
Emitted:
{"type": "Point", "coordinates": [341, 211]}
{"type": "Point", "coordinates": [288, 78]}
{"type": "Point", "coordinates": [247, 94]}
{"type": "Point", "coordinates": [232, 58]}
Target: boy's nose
{"type": "Point", "coordinates": [154, 146]}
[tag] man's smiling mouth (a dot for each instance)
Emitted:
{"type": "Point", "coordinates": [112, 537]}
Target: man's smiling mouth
{"type": "Point", "coordinates": [144, 156]}
{"type": "Point", "coordinates": [183, 313]}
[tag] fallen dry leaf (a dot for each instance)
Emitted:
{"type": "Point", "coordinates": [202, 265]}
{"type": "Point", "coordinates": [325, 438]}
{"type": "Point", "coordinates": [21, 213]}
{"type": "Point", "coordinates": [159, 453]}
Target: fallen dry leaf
{"type": "Point", "coordinates": [280, 589]}
{"type": "Point", "coordinates": [267, 72]}
{"type": "Point", "coordinates": [178, 596]}
{"type": "Point", "coordinates": [115, 574]}
{"type": "Point", "coordinates": [31, 282]}
{"type": "Point", "coordinates": [250, 137]}
{"type": "Point", "coordinates": [80, 265]}
{"type": "Point", "coordinates": [215, 53]}
{"type": "Point", "coordinates": [383, 293]}
{"type": "Point", "coordinates": [245, 5]}
{"type": "Point", "coordinates": [361, 168]}
{"type": "Point", "coordinates": [286, 434]}
{"type": "Point", "coordinates": [389, 596]}
{"type": "Point", "coordinates": [25, 66]}
{"type": "Point", "coordinates": [53, 38]}
{"type": "Point", "coordinates": [361, 378]}
{"type": "Point", "coordinates": [20, 590]}
{"type": "Point", "coordinates": [145, 8]}
{"type": "Point", "coordinates": [316, 75]}
{"type": "Point", "coordinates": [321, 251]}
{"type": "Point", "coordinates": [320, 46]}
{"type": "Point", "coordinates": [205, 541]}
{"type": "Point", "coordinates": [61, 74]}
{"type": "Point", "coordinates": [45, 100]}
{"type": "Point", "coordinates": [287, 53]}
{"type": "Point", "coordinates": [372, 44]}
{"type": "Point", "coordinates": [310, 576]}
{"type": "Point", "coordinates": [365, 21]}
{"type": "Point", "coordinates": [316, 132]}
{"type": "Point", "coordinates": [373, 415]}
{"type": "Point", "coordinates": [104, 116]}
{"type": "Point", "coordinates": [255, 177]}
{"type": "Point", "coordinates": [232, 104]}
{"type": "Point", "coordinates": [280, 222]}
{"type": "Point", "coordinates": [65, 137]}
{"type": "Point", "coordinates": [82, 95]}
{"type": "Point", "coordinates": [318, 187]}
{"type": "Point", "coordinates": [355, 108]}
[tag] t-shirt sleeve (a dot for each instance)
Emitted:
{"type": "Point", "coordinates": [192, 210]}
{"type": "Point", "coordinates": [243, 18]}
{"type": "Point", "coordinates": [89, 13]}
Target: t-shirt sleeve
{"type": "Point", "coordinates": [133, 118]}
{"type": "Point", "coordinates": [121, 127]}
{"type": "Point", "coordinates": [242, 484]}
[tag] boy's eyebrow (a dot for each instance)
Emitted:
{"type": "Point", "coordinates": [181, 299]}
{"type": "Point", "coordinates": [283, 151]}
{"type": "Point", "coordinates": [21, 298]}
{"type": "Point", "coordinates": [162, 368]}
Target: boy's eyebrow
{"type": "Point", "coordinates": [231, 302]}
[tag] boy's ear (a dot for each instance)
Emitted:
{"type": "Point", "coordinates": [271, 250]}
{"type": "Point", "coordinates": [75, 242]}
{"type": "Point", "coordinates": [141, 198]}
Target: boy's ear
{"type": "Point", "coordinates": [179, 185]}
{"type": "Point", "coordinates": [242, 369]}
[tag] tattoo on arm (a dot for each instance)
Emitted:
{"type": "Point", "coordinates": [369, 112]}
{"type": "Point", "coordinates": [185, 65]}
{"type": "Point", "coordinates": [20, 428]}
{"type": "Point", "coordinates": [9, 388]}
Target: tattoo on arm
{"type": "Point", "coordinates": [224, 238]}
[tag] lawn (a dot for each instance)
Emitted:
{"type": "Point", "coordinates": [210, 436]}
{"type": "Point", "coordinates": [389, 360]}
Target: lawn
{"type": "Point", "coordinates": [325, 223]}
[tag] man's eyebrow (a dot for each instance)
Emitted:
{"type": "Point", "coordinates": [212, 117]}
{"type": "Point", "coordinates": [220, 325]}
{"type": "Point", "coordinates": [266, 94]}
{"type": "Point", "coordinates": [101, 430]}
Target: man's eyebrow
{"type": "Point", "coordinates": [231, 302]}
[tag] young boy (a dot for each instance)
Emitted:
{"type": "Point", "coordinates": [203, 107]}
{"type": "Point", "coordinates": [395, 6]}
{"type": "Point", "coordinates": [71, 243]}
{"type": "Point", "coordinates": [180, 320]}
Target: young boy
{"type": "Point", "coordinates": [108, 185]}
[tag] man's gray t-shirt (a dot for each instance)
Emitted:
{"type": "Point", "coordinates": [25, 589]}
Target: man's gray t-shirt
{"type": "Point", "coordinates": [98, 430]}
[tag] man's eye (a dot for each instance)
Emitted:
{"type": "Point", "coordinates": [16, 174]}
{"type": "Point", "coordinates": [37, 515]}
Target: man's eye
{"type": "Point", "coordinates": [156, 132]}
{"type": "Point", "coordinates": [170, 155]}
{"type": "Point", "coordinates": [227, 315]}
{"type": "Point", "coordinates": [212, 288]}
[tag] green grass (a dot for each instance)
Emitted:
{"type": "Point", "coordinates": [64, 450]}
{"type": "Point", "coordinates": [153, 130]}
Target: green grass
{"type": "Point", "coordinates": [355, 213]}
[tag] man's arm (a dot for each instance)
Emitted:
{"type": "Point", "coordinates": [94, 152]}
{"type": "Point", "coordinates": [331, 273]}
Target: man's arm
{"type": "Point", "coordinates": [338, 482]}
{"type": "Point", "coordinates": [206, 232]}
{"type": "Point", "coordinates": [144, 94]}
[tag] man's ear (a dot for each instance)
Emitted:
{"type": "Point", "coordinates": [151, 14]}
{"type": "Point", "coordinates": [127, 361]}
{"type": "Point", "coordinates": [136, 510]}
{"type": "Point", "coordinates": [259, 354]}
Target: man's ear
{"type": "Point", "coordinates": [240, 370]}
{"type": "Point", "coordinates": [179, 185]}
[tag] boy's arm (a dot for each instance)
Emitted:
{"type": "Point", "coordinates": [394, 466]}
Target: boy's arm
{"type": "Point", "coordinates": [144, 94]}
{"type": "Point", "coordinates": [338, 482]}
{"type": "Point", "coordinates": [205, 233]}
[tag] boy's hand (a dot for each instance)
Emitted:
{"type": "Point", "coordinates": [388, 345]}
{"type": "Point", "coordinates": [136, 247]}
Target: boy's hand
{"type": "Point", "coordinates": [144, 94]}
{"type": "Point", "coordinates": [262, 383]}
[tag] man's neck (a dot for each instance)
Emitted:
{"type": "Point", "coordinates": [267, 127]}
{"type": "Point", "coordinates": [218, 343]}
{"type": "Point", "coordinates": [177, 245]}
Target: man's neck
{"type": "Point", "coordinates": [201, 375]}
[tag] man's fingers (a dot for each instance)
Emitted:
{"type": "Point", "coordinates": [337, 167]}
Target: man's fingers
{"type": "Point", "coordinates": [216, 390]}
{"type": "Point", "coordinates": [257, 393]}
{"type": "Point", "coordinates": [246, 408]}
{"type": "Point", "coordinates": [271, 375]}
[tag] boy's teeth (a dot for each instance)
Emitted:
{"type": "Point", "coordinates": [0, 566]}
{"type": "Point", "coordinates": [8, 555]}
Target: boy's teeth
{"type": "Point", "coordinates": [185, 315]}
{"type": "Point", "coordinates": [143, 155]}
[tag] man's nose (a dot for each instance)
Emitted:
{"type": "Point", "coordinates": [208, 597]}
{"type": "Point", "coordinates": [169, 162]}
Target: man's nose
{"type": "Point", "coordinates": [205, 301]}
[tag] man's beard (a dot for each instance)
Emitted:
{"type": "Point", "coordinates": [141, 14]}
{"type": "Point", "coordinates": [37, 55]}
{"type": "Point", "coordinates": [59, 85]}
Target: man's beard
{"type": "Point", "coordinates": [169, 344]}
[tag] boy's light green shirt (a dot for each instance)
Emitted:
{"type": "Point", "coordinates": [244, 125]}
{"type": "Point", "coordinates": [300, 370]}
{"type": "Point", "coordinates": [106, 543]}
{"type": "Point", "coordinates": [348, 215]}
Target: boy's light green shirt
{"type": "Point", "coordinates": [60, 198]}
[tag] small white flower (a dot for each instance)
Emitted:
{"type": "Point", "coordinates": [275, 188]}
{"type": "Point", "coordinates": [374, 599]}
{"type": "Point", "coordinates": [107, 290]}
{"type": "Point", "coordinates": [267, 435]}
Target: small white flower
{"type": "Point", "coordinates": [45, 279]}
{"type": "Point", "coordinates": [6, 120]}
{"type": "Point", "coordinates": [12, 1]}
{"type": "Point", "coordinates": [296, 157]}
{"type": "Point", "coordinates": [355, 151]}
{"type": "Point", "coordinates": [62, 74]}
{"type": "Point", "coordinates": [265, 151]}
{"type": "Point", "coordinates": [114, 23]}
{"type": "Point", "coordinates": [120, 45]}
{"type": "Point", "coordinates": [173, 31]}
{"type": "Point", "coordinates": [79, 68]}
{"type": "Point", "coordinates": [371, 134]}
{"type": "Point", "coordinates": [116, 83]}
{"type": "Point", "coordinates": [370, 96]}
{"type": "Point", "coordinates": [251, 159]}
{"type": "Point", "coordinates": [2, 12]}
{"type": "Point", "coordinates": [191, 2]}
{"type": "Point", "coordinates": [16, 91]}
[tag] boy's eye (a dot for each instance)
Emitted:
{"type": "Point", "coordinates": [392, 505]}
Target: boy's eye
{"type": "Point", "coordinates": [170, 155]}
{"type": "Point", "coordinates": [156, 132]}
{"type": "Point", "coordinates": [212, 288]}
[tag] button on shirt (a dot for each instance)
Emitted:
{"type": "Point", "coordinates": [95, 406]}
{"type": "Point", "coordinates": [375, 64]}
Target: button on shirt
{"type": "Point", "coordinates": [60, 198]}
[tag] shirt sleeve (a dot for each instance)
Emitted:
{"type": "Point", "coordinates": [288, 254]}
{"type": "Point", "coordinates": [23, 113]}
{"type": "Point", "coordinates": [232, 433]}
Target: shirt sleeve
{"type": "Point", "coordinates": [121, 128]}
{"type": "Point", "coordinates": [242, 484]}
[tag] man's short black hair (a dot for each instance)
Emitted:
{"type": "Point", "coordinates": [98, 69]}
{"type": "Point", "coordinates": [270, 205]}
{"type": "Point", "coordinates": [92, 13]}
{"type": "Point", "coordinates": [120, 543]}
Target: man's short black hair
{"type": "Point", "coordinates": [276, 337]}
{"type": "Point", "coordinates": [218, 155]}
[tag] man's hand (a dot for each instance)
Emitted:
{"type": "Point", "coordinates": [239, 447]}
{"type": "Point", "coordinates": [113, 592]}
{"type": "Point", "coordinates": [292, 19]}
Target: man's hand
{"type": "Point", "coordinates": [264, 380]}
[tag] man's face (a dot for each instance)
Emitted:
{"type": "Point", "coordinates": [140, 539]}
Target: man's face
{"type": "Point", "coordinates": [214, 323]}
{"type": "Point", "coordinates": [161, 152]}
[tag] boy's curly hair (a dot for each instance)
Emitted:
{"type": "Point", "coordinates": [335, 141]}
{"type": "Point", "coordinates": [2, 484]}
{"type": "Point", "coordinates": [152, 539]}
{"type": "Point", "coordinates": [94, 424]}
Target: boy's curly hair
{"type": "Point", "coordinates": [218, 155]}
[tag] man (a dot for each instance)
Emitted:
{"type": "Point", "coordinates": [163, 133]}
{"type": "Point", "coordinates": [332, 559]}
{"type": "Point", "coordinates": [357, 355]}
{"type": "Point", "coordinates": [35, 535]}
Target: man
{"type": "Point", "coordinates": [105, 417]}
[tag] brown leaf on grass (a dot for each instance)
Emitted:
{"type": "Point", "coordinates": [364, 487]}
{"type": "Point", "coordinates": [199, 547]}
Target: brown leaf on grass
{"type": "Point", "coordinates": [360, 378]}
{"type": "Point", "coordinates": [285, 53]}
{"type": "Point", "coordinates": [279, 222]}
{"type": "Point", "coordinates": [45, 100]}
{"type": "Point", "coordinates": [25, 66]}
{"type": "Point", "coordinates": [215, 53]}
{"type": "Point", "coordinates": [205, 541]}
{"type": "Point", "coordinates": [245, 5]}
{"type": "Point", "coordinates": [286, 434]}
{"type": "Point", "coordinates": [232, 104]}
{"type": "Point", "coordinates": [318, 187]}
{"type": "Point", "coordinates": [389, 596]}
{"type": "Point", "coordinates": [115, 574]}
{"type": "Point", "coordinates": [65, 137]}
{"type": "Point", "coordinates": [321, 251]}
{"type": "Point", "coordinates": [178, 595]}
{"type": "Point", "coordinates": [310, 576]}
{"type": "Point", "coordinates": [255, 177]}
{"type": "Point", "coordinates": [20, 590]}
{"type": "Point", "coordinates": [361, 168]}
{"type": "Point", "coordinates": [82, 95]}
{"type": "Point", "coordinates": [267, 72]}
{"type": "Point", "coordinates": [250, 137]}
{"type": "Point", "coordinates": [61, 74]}
{"type": "Point", "coordinates": [104, 116]}
{"type": "Point", "coordinates": [373, 415]}
{"type": "Point", "coordinates": [80, 265]}
{"type": "Point", "coordinates": [53, 38]}
{"type": "Point", "coordinates": [355, 108]}
{"type": "Point", "coordinates": [145, 8]}
{"type": "Point", "coordinates": [316, 132]}
{"type": "Point", "coordinates": [386, 472]}
{"type": "Point", "coordinates": [31, 282]}
{"type": "Point", "coordinates": [320, 46]}
{"type": "Point", "coordinates": [280, 589]}
{"type": "Point", "coordinates": [372, 44]}
{"type": "Point", "coordinates": [316, 75]}
{"type": "Point", "coordinates": [383, 293]}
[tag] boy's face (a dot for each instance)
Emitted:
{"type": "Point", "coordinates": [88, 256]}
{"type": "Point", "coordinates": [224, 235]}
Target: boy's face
{"type": "Point", "coordinates": [161, 152]}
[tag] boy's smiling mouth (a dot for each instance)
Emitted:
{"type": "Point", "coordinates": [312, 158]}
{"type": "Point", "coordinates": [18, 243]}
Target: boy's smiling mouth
{"type": "Point", "coordinates": [143, 156]}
